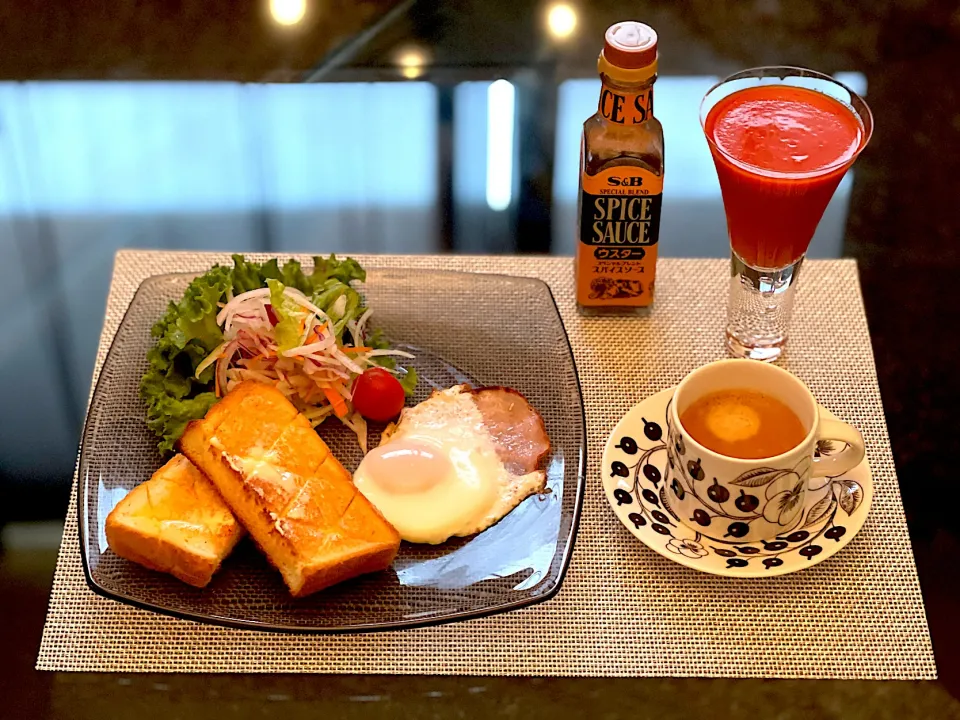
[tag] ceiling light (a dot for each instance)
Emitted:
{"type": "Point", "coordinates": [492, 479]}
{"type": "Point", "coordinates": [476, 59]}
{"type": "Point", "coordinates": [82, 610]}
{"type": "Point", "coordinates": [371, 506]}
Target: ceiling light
{"type": "Point", "coordinates": [561, 20]}
{"type": "Point", "coordinates": [288, 12]}
{"type": "Point", "coordinates": [411, 62]}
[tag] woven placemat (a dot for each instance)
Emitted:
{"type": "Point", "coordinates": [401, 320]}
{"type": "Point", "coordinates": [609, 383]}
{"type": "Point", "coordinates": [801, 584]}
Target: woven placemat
{"type": "Point", "coordinates": [623, 610]}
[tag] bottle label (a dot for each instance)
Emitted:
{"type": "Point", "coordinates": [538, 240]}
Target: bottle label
{"type": "Point", "coordinates": [626, 108]}
{"type": "Point", "coordinates": [616, 257]}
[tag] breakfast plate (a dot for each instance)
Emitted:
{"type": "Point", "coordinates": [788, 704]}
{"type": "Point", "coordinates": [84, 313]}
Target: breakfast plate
{"type": "Point", "coordinates": [637, 484]}
{"type": "Point", "coordinates": [479, 329]}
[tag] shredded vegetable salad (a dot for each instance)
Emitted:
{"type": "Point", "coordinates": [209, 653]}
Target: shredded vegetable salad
{"type": "Point", "coordinates": [308, 335]}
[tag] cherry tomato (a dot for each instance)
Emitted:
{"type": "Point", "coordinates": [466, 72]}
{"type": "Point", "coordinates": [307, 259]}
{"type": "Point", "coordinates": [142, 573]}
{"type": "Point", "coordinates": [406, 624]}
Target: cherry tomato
{"type": "Point", "coordinates": [378, 395]}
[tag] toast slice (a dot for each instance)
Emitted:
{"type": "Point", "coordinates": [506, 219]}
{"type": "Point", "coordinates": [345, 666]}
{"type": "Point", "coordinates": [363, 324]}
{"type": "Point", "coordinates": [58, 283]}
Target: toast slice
{"type": "Point", "coordinates": [285, 486]}
{"type": "Point", "coordinates": [175, 522]}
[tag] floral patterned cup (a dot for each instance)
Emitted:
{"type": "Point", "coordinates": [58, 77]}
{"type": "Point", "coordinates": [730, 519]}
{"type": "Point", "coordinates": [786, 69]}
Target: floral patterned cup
{"type": "Point", "coordinates": [732, 499]}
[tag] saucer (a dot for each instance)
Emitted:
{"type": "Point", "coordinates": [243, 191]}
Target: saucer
{"type": "Point", "coordinates": [634, 467]}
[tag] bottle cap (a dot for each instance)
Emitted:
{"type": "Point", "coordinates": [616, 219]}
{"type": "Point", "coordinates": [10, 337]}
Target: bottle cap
{"type": "Point", "coordinates": [629, 52]}
{"type": "Point", "coordinates": [630, 45]}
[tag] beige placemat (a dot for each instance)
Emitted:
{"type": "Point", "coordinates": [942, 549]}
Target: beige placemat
{"type": "Point", "coordinates": [623, 610]}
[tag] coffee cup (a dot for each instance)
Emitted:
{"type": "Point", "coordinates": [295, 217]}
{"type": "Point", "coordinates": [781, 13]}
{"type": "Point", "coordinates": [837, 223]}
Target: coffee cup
{"type": "Point", "coordinates": [736, 499]}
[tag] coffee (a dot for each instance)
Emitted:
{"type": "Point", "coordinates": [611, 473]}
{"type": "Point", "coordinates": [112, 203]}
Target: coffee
{"type": "Point", "coordinates": [743, 423]}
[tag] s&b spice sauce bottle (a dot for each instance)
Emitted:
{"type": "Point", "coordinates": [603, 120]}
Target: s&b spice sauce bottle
{"type": "Point", "coordinates": [621, 179]}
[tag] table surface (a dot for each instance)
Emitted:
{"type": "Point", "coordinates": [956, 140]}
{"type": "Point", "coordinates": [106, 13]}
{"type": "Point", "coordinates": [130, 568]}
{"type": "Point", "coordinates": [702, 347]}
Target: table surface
{"type": "Point", "coordinates": [858, 615]}
{"type": "Point", "coordinates": [128, 158]}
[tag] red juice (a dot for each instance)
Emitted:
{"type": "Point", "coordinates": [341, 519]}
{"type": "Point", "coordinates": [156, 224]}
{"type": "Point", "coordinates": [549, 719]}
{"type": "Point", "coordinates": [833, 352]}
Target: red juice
{"type": "Point", "coordinates": [780, 152]}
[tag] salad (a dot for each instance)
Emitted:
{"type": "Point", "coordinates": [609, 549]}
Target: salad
{"type": "Point", "coordinates": [308, 334]}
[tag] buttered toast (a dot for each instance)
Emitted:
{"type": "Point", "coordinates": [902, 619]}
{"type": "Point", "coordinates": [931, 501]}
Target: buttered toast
{"type": "Point", "coordinates": [175, 522]}
{"type": "Point", "coordinates": [285, 486]}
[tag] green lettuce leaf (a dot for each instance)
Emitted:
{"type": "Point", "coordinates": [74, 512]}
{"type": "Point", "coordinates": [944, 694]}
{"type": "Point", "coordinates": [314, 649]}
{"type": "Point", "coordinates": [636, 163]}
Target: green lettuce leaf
{"type": "Point", "coordinates": [345, 271]}
{"type": "Point", "coordinates": [188, 332]}
{"type": "Point", "coordinates": [185, 335]}
{"type": "Point", "coordinates": [247, 276]}
{"type": "Point", "coordinates": [408, 381]}
{"type": "Point", "coordinates": [331, 280]}
{"type": "Point", "coordinates": [289, 316]}
{"type": "Point", "coordinates": [194, 318]}
{"type": "Point", "coordinates": [292, 276]}
{"type": "Point", "coordinates": [171, 415]}
{"type": "Point", "coordinates": [377, 341]}
{"type": "Point", "coordinates": [327, 293]}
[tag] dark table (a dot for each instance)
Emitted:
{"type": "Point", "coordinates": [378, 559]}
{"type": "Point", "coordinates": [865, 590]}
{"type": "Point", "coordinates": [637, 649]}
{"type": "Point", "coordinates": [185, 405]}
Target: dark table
{"type": "Point", "coordinates": [129, 155]}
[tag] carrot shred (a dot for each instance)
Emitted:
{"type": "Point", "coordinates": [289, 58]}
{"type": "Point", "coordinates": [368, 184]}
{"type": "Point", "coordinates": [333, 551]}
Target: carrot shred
{"type": "Point", "coordinates": [336, 400]}
{"type": "Point", "coordinates": [356, 349]}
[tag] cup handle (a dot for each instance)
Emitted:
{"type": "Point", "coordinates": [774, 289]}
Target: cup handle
{"type": "Point", "coordinates": [849, 458]}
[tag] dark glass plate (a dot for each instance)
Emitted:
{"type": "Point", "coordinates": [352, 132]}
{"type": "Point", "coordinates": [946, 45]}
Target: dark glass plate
{"type": "Point", "coordinates": [476, 328]}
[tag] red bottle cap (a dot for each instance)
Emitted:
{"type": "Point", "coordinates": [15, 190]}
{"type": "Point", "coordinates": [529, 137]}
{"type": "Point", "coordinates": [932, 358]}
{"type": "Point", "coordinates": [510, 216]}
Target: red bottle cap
{"type": "Point", "coordinates": [630, 45]}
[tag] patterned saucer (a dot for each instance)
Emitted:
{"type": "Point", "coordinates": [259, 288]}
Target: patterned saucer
{"type": "Point", "coordinates": [634, 469]}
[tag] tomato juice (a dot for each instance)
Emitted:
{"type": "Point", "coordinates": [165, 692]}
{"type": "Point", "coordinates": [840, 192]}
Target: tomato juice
{"type": "Point", "coordinates": [780, 152]}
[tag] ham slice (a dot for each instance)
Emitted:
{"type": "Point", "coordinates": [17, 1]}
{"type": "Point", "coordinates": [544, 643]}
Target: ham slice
{"type": "Point", "coordinates": [516, 427]}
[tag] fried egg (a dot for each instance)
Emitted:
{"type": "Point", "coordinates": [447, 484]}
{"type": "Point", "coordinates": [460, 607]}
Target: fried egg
{"type": "Point", "coordinates": [456, 463]}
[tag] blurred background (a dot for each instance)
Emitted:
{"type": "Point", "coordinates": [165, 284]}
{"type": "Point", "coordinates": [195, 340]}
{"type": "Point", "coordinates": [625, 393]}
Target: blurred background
{"type": "Point", "coordinates": [419, 127]}
{"type": "Point", "coordinates": [423, 130]}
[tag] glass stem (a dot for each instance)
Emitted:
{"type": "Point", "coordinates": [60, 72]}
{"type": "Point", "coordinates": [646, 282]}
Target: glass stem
{"type": "Point", "coordinates": [759, 309]}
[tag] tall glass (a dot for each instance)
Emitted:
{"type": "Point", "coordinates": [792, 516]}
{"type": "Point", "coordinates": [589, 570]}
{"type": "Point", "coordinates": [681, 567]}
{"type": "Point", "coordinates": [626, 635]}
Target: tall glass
{"type": "Point", "coordinates": [780, 152]}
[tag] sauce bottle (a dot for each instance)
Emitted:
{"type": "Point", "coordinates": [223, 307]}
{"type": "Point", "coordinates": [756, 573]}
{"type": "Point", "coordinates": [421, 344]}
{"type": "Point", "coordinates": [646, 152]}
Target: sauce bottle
{"type": "Point", "coordinates": [621, 179]}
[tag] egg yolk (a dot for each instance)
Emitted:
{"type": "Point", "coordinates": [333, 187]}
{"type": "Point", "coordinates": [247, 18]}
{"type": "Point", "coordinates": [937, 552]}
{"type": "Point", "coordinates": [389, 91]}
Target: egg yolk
{"type": "Point", "coordinates": [431, 490]}
{"type": "Point", "coordinates": [408, 467]}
